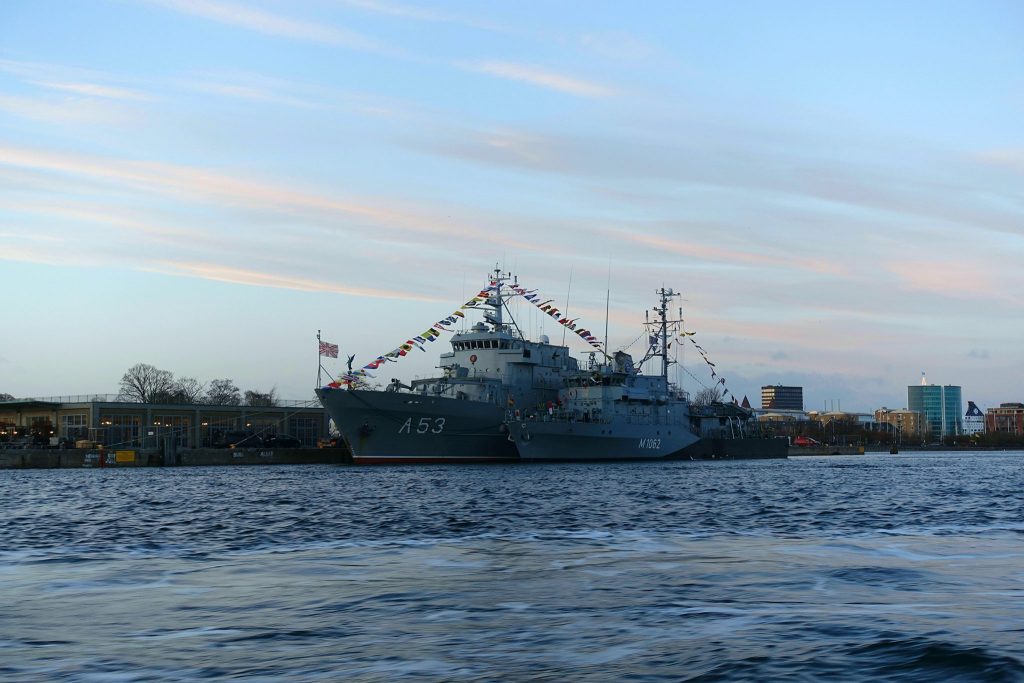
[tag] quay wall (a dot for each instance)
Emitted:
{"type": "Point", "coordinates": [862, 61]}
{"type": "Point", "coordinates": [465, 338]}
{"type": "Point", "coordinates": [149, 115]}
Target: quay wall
{"type": "Point", "coordinates": [78, 458]}
{"type": "Point", "coordinates": [825, 450]}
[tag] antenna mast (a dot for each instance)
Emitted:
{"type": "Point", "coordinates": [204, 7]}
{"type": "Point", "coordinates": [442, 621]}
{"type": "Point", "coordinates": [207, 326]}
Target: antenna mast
{"type": "Point", "coordinates": [665, 297]}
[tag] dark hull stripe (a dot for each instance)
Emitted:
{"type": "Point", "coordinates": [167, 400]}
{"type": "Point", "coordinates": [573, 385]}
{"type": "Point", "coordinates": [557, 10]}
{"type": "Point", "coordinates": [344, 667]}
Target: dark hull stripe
{"type": "Point", "coordinates": [423, 459]}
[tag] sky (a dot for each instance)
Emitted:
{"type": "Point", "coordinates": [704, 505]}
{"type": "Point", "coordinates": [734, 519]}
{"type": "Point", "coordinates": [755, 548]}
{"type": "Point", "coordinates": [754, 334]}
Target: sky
{"type": "Point", "coordinates": [836, 189]}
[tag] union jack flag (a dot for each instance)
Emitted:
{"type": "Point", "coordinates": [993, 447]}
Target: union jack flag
{"type": "Point", "coordinates": [328, 349]}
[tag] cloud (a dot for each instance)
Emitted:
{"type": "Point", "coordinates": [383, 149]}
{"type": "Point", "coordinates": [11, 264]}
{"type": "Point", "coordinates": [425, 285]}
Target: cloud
{"type": "Point", "coordinates": [1010, 158]}
{"type": "Point", "coordinates": [268, 23]}
{"type": "Point", "coordinates": [96, 90]}
{"type": "Point", "coordinates": [220, 273]}
{"type": "Point", "coordinates": [722, 255]}
{"type": "Point", "coordinates": [960, 278]}
{"type": "Point", "coordinates": [211, 187]}
{"type": "Point", "coordinates": [540, 77]}
{"type": "Point", "coordinates": [927, 188]}
{"type": "Point", "coordinates": [256, 87]}
{"type": "Point", "coordinates": [978, 354]}
{"type": "Point", "coordinates": [618, 45]}
{"type": "Point", "coordinates": [260, 233]}
{"type": "Point", "coordinates": [63, 111]}
{"type": "Point", "coordinates": [248, 92]}
{"type": "Point", "coordinates": [420, 14]}
{"type": "Point", "coordinates": [72, 79]}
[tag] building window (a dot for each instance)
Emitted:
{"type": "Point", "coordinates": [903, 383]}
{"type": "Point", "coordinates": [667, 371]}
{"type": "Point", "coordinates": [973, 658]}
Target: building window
{"type": "Point", "coordinates": [74, 426]}
{"type": "Point", "coordinates": [305, 429]}
{"type": "Point", "coordinates": [41, 427]}
{"type": "Point", "coordinates": [121, 430]}
{"type": "Point", "coordinates": [177, 427]}
{"type": "Point", "coordinates": [215, 427]}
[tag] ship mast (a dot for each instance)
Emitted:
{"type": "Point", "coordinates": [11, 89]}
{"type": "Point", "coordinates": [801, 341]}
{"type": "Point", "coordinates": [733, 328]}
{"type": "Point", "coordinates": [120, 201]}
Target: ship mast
{"type": "Point", "coordinates": [496, 301]}
{"type": "Point", "coordinates": [665, 297]}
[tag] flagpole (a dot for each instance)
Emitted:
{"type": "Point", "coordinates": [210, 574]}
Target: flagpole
{"type": "Point", "coordinates": [566, 314]}
{"type": "Point", "coordinates": [319, 365]}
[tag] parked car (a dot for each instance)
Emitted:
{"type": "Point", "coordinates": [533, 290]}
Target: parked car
{"type": "Point", "coordinates": [282, 441]}
{"type": "Point", "coordinates": [237, 439]}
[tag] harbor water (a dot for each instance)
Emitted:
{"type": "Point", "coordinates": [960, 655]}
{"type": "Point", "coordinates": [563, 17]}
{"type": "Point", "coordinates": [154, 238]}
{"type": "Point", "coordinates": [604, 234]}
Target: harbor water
{"type": "Point", "coordinates": [904, 567]}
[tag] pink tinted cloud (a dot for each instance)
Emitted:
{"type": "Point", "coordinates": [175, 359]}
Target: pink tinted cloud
{"type": "Point", "coordinates": [961, 279]}
{"type": "Point", "coordinates": [541, 77]}
{"type": "Point", "coordinates": [729, 256]}
{"type": "Point", "coordinates": [242, 276]}
{"type": "Point", "coordinates": [206, 186]}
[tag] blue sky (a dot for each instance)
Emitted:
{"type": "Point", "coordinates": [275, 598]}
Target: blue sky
{"type": "Point", "coordinates": [836, 188]}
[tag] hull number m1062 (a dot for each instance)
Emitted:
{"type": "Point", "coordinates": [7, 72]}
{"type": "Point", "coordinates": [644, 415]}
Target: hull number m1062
{"type": "Point", "coordinates": [650, 443]}
{"type": "Point", "coordinates": [434, 425]}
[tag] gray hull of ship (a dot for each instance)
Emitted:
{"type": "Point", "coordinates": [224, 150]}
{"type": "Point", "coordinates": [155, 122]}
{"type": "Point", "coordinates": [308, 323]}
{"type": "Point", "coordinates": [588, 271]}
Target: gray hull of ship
{"type": "Point", "coordinates": [396, 427]}
{"type": "Point", "coordinates": [581, 441]}
{"type": "Point", "coordinates": [738, 448]}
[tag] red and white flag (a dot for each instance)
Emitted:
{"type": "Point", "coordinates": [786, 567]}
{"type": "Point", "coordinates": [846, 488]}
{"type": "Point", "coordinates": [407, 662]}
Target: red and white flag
{"type": "Point", "coordinates": [328, 349]}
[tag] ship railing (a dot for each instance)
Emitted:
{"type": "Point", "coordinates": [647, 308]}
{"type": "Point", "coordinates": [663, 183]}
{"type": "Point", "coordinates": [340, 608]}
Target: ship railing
{"type": "Point", "coordinates": [554, 415]}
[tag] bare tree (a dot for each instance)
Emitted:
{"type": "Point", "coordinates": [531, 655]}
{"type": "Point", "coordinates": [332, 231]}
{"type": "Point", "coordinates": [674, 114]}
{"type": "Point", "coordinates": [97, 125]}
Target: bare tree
{"type": "Point", "coordinates": [706, 396]}
{"type": "Point", "coordinates": [143, 383]}
{"type": "Point", "coordinates": [223, 392]}
{"type": "Point", "coordinates": [258, 398]}
{"type": "Point", "coordinates": [187, 390]}
{"type": "Point", "coordinates": [6, 397]}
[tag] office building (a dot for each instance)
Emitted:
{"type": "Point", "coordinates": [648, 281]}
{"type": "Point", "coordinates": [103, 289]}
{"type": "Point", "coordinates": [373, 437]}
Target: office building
{"type": "Point", "coordinates": [779, 397]}
{"type": "Point", "coordinates": [941, 407]}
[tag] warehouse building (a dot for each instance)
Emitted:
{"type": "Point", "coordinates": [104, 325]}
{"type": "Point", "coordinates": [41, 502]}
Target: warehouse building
{"type": "Point", "coordinates": [103, 419]}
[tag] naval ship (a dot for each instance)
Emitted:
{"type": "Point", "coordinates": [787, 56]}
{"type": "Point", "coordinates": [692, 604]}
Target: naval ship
{"type": "Point", "coordinates": [501, 397]}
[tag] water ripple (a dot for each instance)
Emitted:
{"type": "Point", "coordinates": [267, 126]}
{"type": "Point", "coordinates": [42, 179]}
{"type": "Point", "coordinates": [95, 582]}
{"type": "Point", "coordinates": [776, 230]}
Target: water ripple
{"type": "Point", "coordinates": [900, 568]}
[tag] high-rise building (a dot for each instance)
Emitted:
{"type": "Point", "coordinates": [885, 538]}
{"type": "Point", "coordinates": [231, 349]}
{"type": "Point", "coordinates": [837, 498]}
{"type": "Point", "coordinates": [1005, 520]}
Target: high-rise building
{"type": "Point", "coordinates": [782, 398]}
{"type": "Point", "coordinates": [974, 419]}
{"type": "Point", "coordinates": [941, 406]}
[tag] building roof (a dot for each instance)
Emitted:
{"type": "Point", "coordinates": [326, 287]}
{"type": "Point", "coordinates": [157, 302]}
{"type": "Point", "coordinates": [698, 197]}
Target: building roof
{"type": "Point", "coordinates": [23, 403]}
